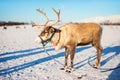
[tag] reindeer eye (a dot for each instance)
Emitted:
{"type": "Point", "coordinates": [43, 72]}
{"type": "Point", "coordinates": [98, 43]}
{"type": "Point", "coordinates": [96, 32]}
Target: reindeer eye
{"type": "Point", "coordinates": [45, 32]}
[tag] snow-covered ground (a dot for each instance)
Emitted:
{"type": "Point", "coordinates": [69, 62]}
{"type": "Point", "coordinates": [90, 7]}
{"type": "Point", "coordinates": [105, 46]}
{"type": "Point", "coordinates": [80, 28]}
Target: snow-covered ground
{"type": "Point", "coordinates": [22, 59]}
{"type": "Point", "coordinates": [113, 19]}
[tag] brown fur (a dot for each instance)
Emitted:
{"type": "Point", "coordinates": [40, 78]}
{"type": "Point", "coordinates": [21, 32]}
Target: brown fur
{"type": "Point", "coordinates": [73, 35]}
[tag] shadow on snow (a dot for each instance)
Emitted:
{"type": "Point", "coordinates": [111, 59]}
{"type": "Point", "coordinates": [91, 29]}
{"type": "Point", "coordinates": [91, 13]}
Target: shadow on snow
{"type": "Point", "coordinates": [32, 63]}
{"type": "Point", "coordinates": [115, 49]}
{"type": "Point", "coordinates": [27, 52]}
{"type": "Point", "coordinates": [115, 75]}
{"type": "Point", "coordinates": [107, 50]}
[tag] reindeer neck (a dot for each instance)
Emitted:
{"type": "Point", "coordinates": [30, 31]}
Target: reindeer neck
{"type": "Point", "coordinates": [55, 40]}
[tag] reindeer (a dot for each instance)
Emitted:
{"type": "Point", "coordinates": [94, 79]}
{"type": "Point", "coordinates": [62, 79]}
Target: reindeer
{"type": "Point", "coordinates": [70, 36]}
{"type": "Point", "coordinates": [17, 27]}
{"type": "Point", "coordinates": [4, 27]}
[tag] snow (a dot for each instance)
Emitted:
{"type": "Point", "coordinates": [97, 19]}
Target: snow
{"type": "Point", "coordinates": [114, 19]}
{"type": "Point", "coordinates": [22, 59]}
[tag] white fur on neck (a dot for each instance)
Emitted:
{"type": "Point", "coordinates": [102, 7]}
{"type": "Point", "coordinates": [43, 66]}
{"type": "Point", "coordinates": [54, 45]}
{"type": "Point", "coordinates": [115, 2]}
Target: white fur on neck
{"type": "Point", "coordinates": [57, 47]}
{"type": "Point", "coordinates": [55, 40]}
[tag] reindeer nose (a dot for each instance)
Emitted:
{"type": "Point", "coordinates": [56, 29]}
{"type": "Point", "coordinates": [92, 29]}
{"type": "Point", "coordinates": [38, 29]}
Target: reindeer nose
{"type": "Point", "coordinates": [37, 40]}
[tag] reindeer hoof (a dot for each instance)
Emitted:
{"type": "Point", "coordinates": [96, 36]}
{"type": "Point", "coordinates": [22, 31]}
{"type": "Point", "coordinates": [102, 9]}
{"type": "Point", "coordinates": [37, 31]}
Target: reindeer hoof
{"type": "Point", "coordinates": [70, 70]}
{"type": "Point", "coordinates": [96, 65]}
{"type": "Point", "coordinates": [62, 68]}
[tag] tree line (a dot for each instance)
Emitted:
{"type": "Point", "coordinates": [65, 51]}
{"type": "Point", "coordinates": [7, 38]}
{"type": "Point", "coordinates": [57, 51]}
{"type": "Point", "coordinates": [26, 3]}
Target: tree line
{"type": "Point", "coordinates": [10, 23]}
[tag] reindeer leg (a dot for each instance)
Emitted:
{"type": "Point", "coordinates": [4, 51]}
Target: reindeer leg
{"type": "Point", "coordinates": [99, 52]}
{"type": "Point", "coordinates": [72, 58]}
{"type": "Point", "coordinates": [66, 59]}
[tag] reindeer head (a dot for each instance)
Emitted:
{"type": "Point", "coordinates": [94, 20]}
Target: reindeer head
{"type": "Point", "coordinates": [48, 32]}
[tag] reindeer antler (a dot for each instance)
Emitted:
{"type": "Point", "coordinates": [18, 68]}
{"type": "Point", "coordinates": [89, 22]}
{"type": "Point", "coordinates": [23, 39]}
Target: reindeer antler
{"type": "Point", "coordinates": [34, 24]}
{"type": "Point", "coordinates": [44, 14]}
{"type": "Point", "coordinates": [58, 15]}
{"type": "Point", "coordinates": [47, 19]}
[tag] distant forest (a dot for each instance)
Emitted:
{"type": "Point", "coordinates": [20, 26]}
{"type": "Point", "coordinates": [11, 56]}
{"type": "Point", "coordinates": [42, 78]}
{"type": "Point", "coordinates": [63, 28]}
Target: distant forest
{"type": "Point", "coordinates": [10, 23]}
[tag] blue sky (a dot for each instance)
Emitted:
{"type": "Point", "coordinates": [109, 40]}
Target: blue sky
{"type": "Point", "coordinates": [71, 10]}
